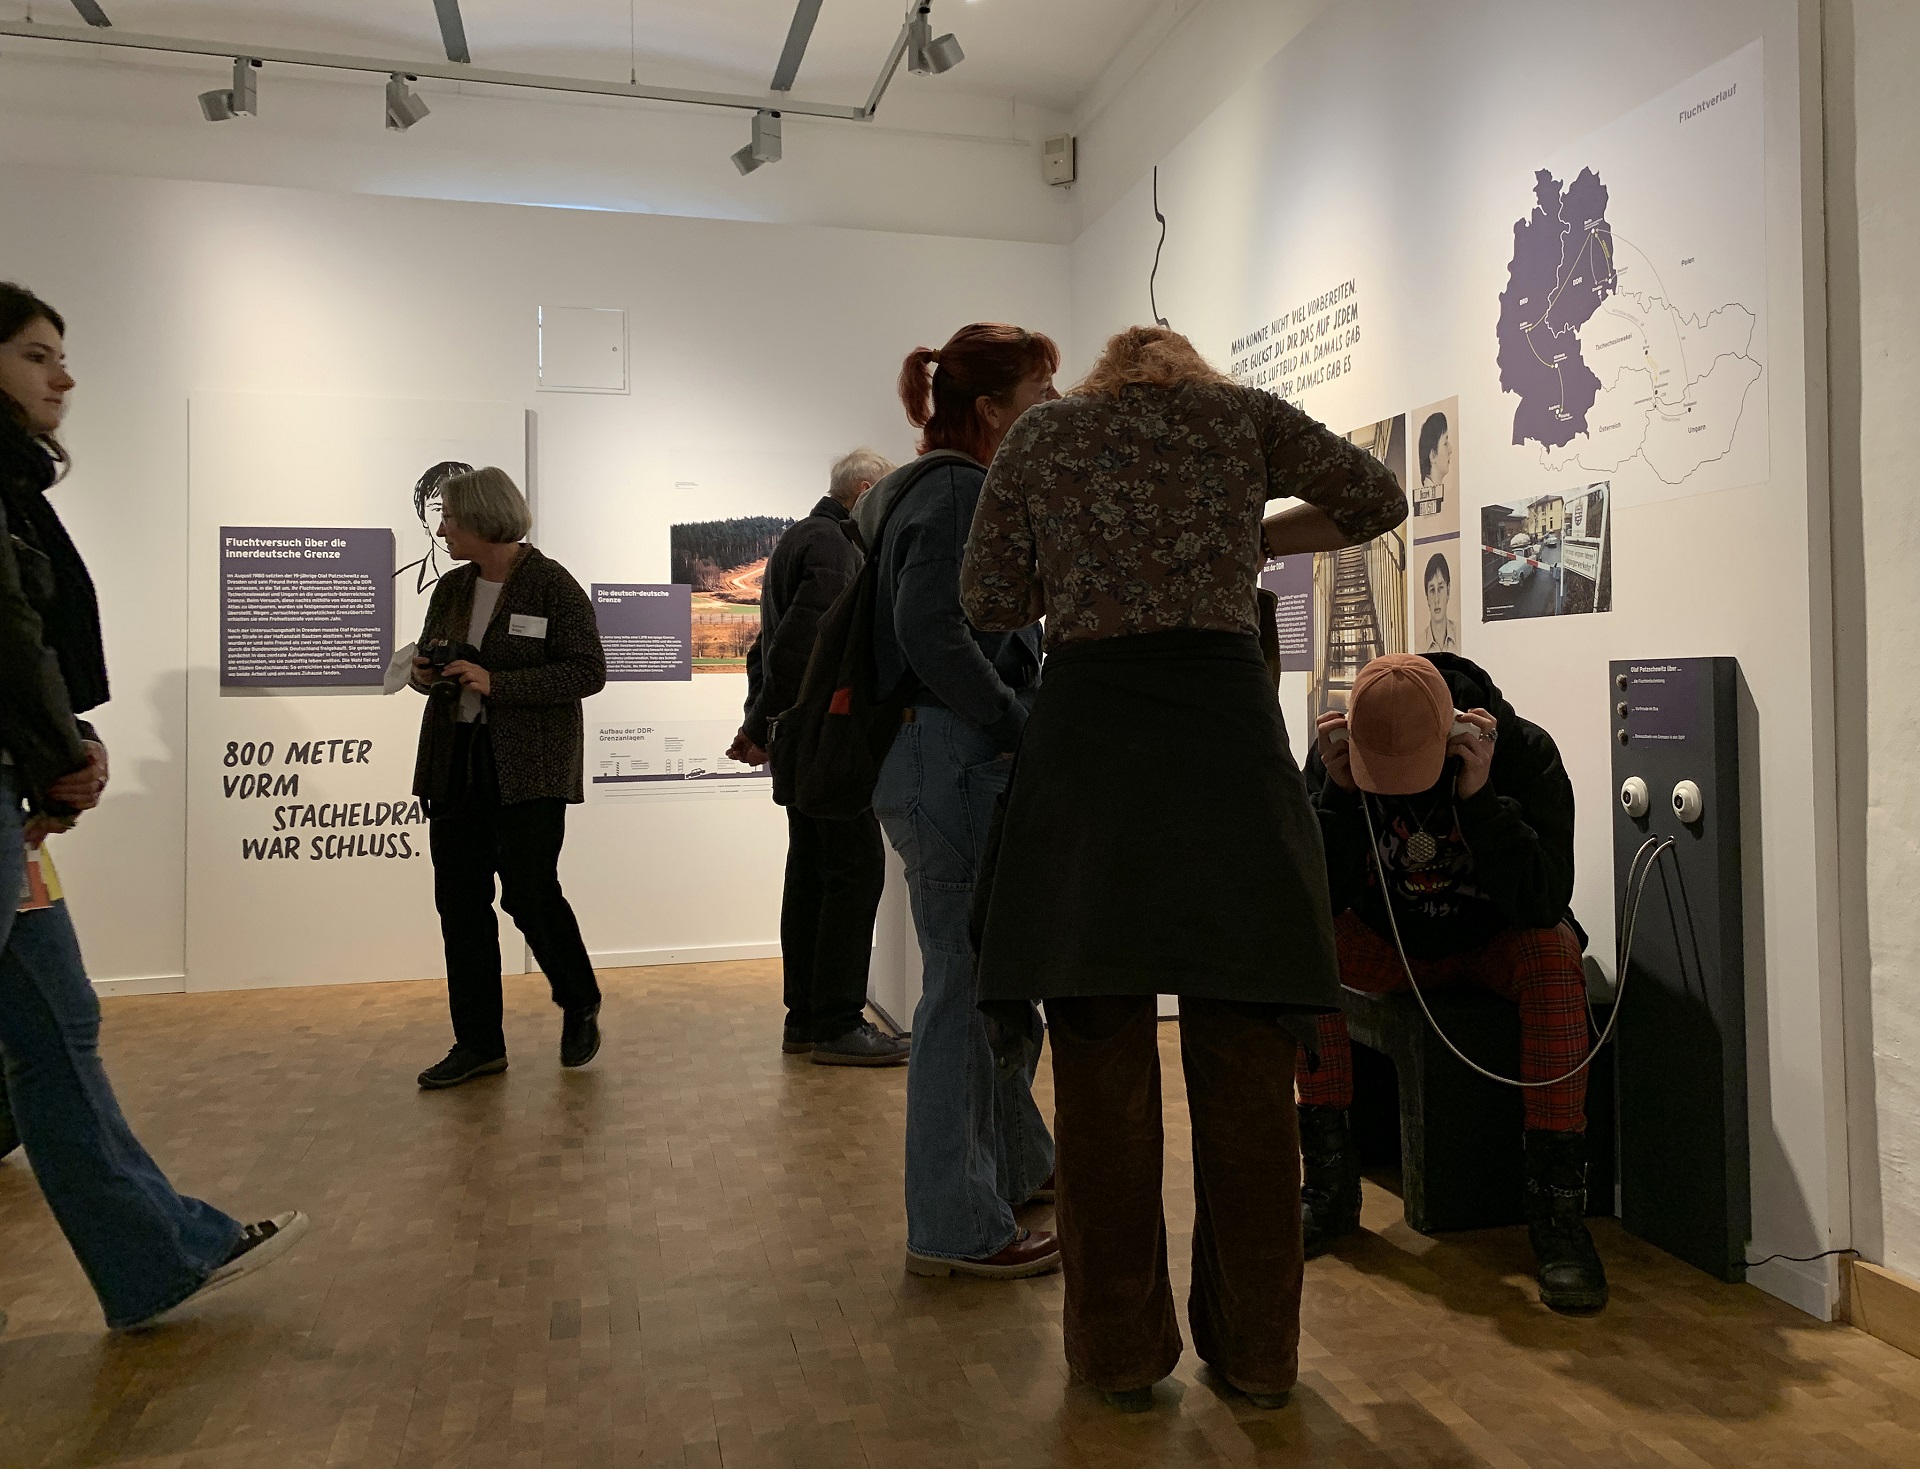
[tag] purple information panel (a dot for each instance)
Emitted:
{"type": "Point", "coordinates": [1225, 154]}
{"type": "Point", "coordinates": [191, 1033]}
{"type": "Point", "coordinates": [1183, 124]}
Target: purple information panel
{"type": "Point", "coordinates": [647, 630]}
{"type": "Point", "coordinates": [1664, 700]}
{"type": "Point", "coordinates": [1290, 578]}
{"type": "Point", "coordinates": [302, 608]}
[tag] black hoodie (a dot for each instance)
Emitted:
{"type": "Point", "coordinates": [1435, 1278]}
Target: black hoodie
{"type": "Point", "coordinates": [50, 661]}
{"type": "Point", "coordinates": [1504, 856]}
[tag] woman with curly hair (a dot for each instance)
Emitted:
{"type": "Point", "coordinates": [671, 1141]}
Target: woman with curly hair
{"type": "Point", "coordinates": [1158, 839]}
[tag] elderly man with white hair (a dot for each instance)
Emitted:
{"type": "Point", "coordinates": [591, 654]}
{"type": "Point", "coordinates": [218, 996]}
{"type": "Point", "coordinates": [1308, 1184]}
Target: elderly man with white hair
{"type": "Point", "coordinates": [835, 869]}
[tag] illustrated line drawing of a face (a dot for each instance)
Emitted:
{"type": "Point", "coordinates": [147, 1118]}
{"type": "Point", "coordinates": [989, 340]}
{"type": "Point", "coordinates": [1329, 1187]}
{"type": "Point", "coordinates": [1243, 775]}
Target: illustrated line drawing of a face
{"type": "Point", "coordinates": [426, 509]}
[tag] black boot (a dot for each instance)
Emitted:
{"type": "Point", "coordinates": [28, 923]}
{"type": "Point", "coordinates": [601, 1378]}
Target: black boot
{"type": "Point", "coordinates": [1572, 1279]}
{"type": "Point", "coordinates": [1330, 1189]}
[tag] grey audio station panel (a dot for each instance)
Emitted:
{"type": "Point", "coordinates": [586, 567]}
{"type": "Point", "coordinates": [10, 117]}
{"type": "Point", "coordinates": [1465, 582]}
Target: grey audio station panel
{"type": "Point", "coordinates": [1684, 1177]}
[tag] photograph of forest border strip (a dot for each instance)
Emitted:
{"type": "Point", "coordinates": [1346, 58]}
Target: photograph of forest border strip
{"type": "Point", "coordinates": [724, 561]}
{"type": "Point", "coordinates": [1550, 555]}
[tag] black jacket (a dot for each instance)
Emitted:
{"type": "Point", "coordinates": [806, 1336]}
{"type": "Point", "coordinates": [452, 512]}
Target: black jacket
{"type": "Point", "coordinates": [533, 713]}
{"type": "Point", "coordinates": [37, 725]}
{"type": "Point", "coordinates": [920, 630]}
{"type": "Point", "coordinates": [813, 564]}
{"type": "Point", "coordinates": [1505, 858]}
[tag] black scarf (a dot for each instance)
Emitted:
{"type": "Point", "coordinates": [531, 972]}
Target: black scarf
{"type": "Point", "coordinates": [71, 621]}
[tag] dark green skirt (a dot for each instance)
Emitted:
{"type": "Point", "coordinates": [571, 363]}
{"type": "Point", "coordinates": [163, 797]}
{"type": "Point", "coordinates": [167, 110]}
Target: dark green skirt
{"type": "Point", "coordinates": [1156, 837]}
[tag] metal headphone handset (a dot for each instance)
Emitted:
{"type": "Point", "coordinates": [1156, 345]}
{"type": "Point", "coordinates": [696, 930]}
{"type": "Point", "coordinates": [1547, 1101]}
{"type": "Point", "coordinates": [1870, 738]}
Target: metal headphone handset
{"type": "Point", "coordinates": [1637, 876]}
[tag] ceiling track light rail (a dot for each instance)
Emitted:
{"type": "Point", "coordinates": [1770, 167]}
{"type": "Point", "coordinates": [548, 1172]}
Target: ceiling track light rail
{"type": "Point", "coordinates": [924, 52]}
{"type": "Point", "coordinates": [453, 30]}
{"type": "Point", "coordinates": [806, 15]}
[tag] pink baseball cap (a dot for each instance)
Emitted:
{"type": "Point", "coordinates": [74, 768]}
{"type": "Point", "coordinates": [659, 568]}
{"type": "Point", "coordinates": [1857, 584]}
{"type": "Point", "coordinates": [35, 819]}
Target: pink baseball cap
{"type": "Point", "coordinates": [1399, 718]}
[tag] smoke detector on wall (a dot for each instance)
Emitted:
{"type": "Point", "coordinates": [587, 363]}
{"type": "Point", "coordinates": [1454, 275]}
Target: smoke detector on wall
{"type": "Point", "coordinates": [1060, 159]}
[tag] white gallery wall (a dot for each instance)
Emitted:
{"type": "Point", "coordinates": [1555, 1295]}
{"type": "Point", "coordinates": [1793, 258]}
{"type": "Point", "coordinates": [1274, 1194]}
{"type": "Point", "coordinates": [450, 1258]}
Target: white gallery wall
{"type": "Point", "coordinates": [757, 354]}
{"type": "Point", "coordinates": [1873, 152]}
{"type": "Point", "coordinates": [304, 842]}
{"type": "Point", "coordinates": [1394, 145]}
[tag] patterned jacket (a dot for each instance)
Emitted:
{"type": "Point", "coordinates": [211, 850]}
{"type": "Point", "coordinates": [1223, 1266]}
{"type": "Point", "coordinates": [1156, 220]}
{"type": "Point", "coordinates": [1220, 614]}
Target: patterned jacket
{"type": "Point", "coordinates": [538, 682]}
{"type": "Point", "coordinates": [1140, 512]}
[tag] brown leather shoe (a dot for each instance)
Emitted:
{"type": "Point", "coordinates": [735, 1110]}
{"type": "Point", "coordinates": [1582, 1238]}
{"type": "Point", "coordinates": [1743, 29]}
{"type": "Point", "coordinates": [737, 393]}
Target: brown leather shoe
{"type": "Point", "coordinates": [1030, 1252]}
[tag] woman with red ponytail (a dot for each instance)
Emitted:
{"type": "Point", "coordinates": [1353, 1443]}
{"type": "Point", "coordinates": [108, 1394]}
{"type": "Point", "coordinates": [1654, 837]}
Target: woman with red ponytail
{"type": "Point", "coordinates": [977, 1148]}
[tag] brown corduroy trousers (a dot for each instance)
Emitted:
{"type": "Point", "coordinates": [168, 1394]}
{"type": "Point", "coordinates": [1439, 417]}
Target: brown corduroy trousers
{"type": "Point", "coordinates": [1244, 1308]}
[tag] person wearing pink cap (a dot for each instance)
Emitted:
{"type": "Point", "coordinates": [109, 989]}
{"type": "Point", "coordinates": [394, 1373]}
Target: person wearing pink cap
{"type": "Point", "coordinates": [1433, 780]}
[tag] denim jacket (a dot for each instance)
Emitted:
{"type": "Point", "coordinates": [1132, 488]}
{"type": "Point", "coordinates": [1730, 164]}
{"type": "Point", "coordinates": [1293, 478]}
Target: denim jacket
{"type": "Point", "coordinates": [989, 678]}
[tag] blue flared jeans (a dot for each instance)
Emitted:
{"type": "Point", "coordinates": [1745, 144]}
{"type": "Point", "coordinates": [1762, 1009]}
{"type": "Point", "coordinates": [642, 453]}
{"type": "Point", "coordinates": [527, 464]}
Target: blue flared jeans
{"type": "Point", "coordinates": [144, 1246]}
{"type": "Point", "coordinates": [976, 1144]}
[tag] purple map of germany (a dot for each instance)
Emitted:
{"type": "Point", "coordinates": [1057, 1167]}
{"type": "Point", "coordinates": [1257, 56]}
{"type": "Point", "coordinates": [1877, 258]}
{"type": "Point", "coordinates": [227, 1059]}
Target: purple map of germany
{"type": "Point", "coordinates": [1632, 328]}
{"type": "Point", "coordinates": [1562, 270]}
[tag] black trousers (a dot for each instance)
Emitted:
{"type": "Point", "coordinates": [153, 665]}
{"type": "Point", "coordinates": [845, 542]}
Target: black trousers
{"type": "Point", "coordinates": [835, 872]}
{"type": "Point", "coordinates": [473, 838]}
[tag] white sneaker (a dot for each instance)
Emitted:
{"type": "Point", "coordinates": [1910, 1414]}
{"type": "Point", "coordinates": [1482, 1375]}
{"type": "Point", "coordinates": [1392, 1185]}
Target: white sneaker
{"type": "Point", "coordinates": [259, 1244]}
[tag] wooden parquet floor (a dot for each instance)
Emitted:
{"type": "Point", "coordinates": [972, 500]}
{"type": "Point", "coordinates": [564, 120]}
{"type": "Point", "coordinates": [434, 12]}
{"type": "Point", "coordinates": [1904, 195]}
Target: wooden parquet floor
{"type": "Point", "coordinates": [690, 1254]}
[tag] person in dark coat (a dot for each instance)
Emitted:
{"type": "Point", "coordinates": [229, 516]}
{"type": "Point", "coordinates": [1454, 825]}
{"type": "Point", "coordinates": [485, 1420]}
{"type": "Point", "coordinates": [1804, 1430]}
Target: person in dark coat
{"type": "Point", "coordinates": [1157, 837]}
{"type": "Point", "coordinates": [509, 650]}
{"type": "Point", "coordinates": [146, 1248]}
{"type": "Point", "coordinates": [836, 870]}
{"type": "Point", "coordinates": [1433, 779]}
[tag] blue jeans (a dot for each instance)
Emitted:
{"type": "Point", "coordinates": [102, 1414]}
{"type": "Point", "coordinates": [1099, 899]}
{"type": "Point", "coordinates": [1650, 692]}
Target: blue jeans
{"type": "Point", "coordinates": [144, 1246]}
{"type": "Point", "coordinates": [976, 1145]}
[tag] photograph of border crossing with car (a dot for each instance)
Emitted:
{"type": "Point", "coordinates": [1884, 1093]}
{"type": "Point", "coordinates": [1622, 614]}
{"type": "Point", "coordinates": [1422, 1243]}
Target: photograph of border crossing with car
{"type": "Point", "coordinates": [1547, 556]}
{"type": "Point", "coordinates": [724, 561]}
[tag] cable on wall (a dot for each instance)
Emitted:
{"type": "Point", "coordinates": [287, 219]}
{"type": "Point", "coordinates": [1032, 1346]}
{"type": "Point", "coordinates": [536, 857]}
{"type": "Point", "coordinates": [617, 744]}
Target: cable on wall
{"type": "Point", "coordinates": [1153, 280]}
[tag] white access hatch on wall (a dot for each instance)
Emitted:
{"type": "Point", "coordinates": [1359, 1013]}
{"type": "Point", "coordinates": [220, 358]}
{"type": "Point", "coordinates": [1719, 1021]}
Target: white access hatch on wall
{"type": "Point", "coordinates": [583, 349]}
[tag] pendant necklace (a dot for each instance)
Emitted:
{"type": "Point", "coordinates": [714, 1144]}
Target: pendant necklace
{"type": "Point", "coordinates": [1422, 847]}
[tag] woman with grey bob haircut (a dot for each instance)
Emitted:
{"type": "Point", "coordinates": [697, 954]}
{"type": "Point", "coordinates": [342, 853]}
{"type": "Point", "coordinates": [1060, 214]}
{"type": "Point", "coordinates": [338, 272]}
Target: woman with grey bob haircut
{"type": "Point", "coordinates": [509, 650]}
{"type": "Point", "coordinates": [488, 504]}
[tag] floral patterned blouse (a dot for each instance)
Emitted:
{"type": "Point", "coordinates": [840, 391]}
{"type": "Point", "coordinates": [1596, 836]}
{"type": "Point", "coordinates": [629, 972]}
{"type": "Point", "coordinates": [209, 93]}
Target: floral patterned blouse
{"type": "Point", "coordinates": [1112, 515]}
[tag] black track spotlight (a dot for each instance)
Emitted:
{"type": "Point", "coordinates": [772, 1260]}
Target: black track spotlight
{"type": "Point", "coordinates": [404, 105]}
{"type": "Point", "coordinates": [765, 145]}
{"type": "Point", "coordinates": [242, 99]}
{"type": "Point", "coordinates": [928, 55]}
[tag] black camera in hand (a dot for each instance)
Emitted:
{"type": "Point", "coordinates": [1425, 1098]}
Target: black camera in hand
{"type": "Point", "coordinates": [439, 653]}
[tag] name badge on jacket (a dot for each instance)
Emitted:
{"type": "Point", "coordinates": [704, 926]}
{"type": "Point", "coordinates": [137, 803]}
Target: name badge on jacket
{"type": "Point", "coordinates": [522, 626]}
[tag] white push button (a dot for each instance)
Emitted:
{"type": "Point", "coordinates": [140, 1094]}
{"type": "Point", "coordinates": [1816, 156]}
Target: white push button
{"type": "Point", "coordinates": [1634, 799]}
{"type": "Point", "coordinates": [1688, 804]}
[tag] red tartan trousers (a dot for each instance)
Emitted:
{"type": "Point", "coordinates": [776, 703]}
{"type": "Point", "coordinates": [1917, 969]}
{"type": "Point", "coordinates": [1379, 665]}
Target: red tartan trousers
{"type": "Point", "coordinates": [1539, 969]}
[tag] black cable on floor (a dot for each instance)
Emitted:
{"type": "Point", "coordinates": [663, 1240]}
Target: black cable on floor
{"type": "Point", "coordinates": [1799, 1259]}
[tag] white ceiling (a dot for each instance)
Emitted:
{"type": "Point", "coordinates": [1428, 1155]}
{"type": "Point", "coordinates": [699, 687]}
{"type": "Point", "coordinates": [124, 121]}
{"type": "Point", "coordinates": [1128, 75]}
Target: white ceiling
{"type": "Point", "coordinates": [1045, 53]}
